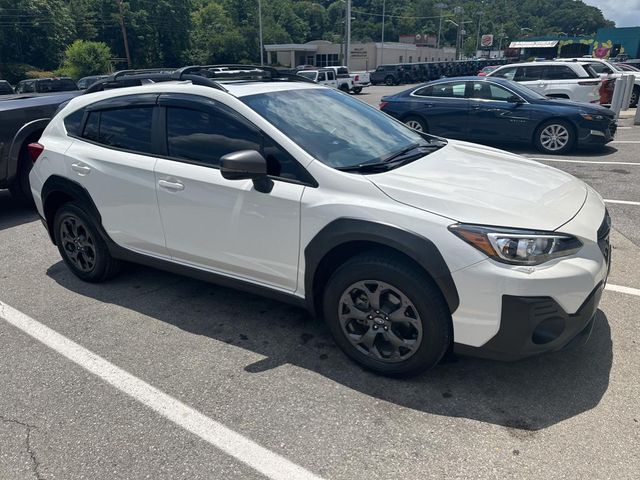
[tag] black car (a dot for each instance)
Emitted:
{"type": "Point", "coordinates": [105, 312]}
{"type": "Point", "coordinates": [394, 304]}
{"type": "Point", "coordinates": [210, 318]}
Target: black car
{"type": "Point", "coordinates": [5, 88]}
{"type": "Point", "coordinates": [388, 75]}
{"type": "Point", "coordinates": [495, 110]}
{"type": "Point", "coordinates": [46, 85]}
{"type": "Point", "coordinates": [86, 82]}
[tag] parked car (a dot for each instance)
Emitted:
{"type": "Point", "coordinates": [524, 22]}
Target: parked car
{"type": "Point", "coordinates": [388, 75]}
{"type": "Point", "coordinates": [46, 85]}
{"type": "Point", "coordinates": [359, 80]}
{"type": "Point", "coordinates": [571, 80]}
{"type": "Point", "coordinates": [23, 120]}
{"type": "Point", "coordinates": [487, 69]}
{"type": "Point", "coordinates": [6, 88]}
{"type": "Point", "coordinates": [608, 70]}
{"type": "Point", "coordinates": [406, 244]}
{"type": "Point", "coordinates": [323, 76]}
{"type": "Point", "coordinates": [490, 109]}
{"type": "Point", "coordinates": [86, 82]}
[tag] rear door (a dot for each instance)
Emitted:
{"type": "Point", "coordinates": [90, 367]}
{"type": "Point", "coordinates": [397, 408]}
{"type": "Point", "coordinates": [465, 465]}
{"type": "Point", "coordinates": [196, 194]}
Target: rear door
{"type": "Point", "coordinates": [445, 108]}
{"type": "Point", "coordinates": [532, 76]}
{"type": "Point", "coordinates": [114, 160]}
{"type": "Point", "coordinates": [497, 114]}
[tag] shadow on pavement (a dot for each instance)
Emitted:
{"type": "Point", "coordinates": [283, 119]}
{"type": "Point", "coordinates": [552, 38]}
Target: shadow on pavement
{"type": "Point", "coordinates": [582, 152]}
{"type": "Point", "coordinates": [524, 396]}
{"type": "Point", "coordinates": [13, 214]}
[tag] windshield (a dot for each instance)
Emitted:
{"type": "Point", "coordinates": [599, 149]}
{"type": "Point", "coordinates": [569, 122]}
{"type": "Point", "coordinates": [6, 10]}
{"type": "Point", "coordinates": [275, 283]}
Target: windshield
{"type": "Point", "coordinates": [525, 91]}
{"type": "Point", "coordinates": [309, 75]}
{"type": "Point", "coordinates": [56, 85]}
{"type": "Point", "coordinates": [338, 130]}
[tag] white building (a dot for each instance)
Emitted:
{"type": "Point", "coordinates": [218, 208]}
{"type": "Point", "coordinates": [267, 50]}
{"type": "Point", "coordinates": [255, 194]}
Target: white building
{"type": "Point", "coordinates": [364, 56]}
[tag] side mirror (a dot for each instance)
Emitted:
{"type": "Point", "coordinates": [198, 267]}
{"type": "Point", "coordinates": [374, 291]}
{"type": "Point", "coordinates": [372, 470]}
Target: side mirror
{"type": "Point", "coordinates": [515, 99]}
{"type": "Point", "coordinates": [247, 164]}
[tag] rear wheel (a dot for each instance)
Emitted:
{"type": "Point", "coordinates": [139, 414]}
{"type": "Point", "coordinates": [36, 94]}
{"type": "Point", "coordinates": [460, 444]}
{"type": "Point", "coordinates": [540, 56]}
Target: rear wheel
{"type": "Point", "coordinates": [357, 90]}
{"type": "Point", "coordinates": [387, 315]}
{"type": "Point", "coordinates": [81, 246]}
{"type": "Point", "coordinates": [555, 136]}
{"type": "Point", "coordinates": [416, 123]}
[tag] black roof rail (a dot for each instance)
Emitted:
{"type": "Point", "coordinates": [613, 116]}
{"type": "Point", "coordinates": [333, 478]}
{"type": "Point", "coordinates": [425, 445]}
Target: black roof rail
{"type": "Point", "coordinates": [196, 74]}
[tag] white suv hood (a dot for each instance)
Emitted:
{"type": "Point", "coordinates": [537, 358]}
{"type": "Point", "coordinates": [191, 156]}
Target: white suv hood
{"type": "Point", "coordinates": [475, 184]}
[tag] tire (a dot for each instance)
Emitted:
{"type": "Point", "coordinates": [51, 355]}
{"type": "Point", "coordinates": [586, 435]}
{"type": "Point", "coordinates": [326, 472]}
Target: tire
{"type": "Point", "coordinates": [389, 81]}
{"type": "Point", "coordinates": [634, 97]}
{"type": "Point", "coordinates": [75, 231]}
{"type": "Point", "coordinates": [21, 189]}
{"type": "Point", "coordinates": [416, 123]}
{"type": "Point", "coordinates": [421, 333]}
{"type": "Point", "coordinates": [357, 90]}
{"type": "Point", "coordinates": [344, 87]}
{"type": "Point", "coordinates": [555, 137]}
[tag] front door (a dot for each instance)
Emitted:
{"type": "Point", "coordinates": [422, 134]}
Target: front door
{"type": "Point", "coordinates": [223, 225]}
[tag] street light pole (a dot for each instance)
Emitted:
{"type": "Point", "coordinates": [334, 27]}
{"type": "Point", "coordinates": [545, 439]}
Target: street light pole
{"type": "Point", "coordinates": [441, 6]}
{"type": "Point", "coordinates": [348, 52]}
{"type": "Point", "coordinates": [384, 2]}
{"type": "Point", "coordinates": [260, 29]}
{"type": "Point", "coordinates": [478, 35]}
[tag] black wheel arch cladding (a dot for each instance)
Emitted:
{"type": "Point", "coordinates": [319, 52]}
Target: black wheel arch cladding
{"type": "Point", "coordinates": [348, 230]}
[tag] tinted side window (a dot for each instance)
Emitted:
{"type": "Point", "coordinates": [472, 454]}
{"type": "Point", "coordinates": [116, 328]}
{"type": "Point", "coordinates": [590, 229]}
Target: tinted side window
{"type": "Point", "coordinates": [204, 137]}
{"type": "Point", "coordinates": [446, 90]}
{"type": "Point", "coordinates": [280, 163]}
{"type": "Point", "coordinates": [507, 73]}
{"type": "Point", "coordinates": [126, 128]}
{"type": "Point", "coordinates": [73, 122]}
{"type": "Point", "coordinates": [92, 126]}
{"type": "Point", "coordinates": [559, 72]}
{"type": "Point", "coordinates": [527, 74]}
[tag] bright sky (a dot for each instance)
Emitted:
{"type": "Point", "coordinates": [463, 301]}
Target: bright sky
{"type": "Point", "coordinates": [626, 13]}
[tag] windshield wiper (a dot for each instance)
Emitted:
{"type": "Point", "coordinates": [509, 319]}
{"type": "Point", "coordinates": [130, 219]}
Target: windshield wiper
{"type": "Point", "coordinates": [394, 160]}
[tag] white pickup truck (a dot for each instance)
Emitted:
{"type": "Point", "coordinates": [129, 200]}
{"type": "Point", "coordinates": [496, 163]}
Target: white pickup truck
{"type": "Point", "coordinates": [328, 77]}
{"type": "Point", "coordinates": [359, 80]}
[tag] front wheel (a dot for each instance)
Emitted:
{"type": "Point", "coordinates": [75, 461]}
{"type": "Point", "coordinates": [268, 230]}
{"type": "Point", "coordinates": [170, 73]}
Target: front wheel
{"type": "Point", "coordinates": [390, 81]}
{"type": "Point", "coordinates": [555, 136]}
{"type": "Point", "coordinates": [387, 315]}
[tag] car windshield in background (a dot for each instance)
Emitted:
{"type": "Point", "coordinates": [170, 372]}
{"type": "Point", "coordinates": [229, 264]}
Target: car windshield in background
{"type": "Point", "coordinates": [338, 130]}
{"type": "Point", "coordinates": [309, 75]}
{"type": "Point", "coordinates": [57, 85]}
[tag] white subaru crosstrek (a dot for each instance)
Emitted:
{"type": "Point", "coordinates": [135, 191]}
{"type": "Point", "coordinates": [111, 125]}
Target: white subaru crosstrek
{"type": "Point", "coordinates": [408, 245]}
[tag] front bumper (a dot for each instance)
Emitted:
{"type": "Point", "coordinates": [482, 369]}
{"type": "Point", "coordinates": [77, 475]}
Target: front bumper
{"type": "Point", "coordinates": [597, 134]}
{"type": "Point", "coordinates": [509, 313]}
{"type": "Point", "coordinates": [534, 325]}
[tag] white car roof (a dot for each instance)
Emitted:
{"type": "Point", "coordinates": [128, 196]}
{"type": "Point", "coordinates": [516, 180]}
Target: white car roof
{"type": "Point", "coordinates": [545, 63]}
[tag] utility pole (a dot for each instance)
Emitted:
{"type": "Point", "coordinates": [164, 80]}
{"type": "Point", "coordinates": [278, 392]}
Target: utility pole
{"type": "Point", "coordinates": [260, 29]}
{"type": "Point", "coordinates": [458, 11]}
{"type": "Point", "coordinates": [348, 52]}
{"type": "Point", "coordinates": [441, 6]}
{"type": "Point", "coordinates": [384, 2]}
{"type": "Point", "coordinates": [478, 36]}
{"type": "Point", "coordinates": [124, 33]}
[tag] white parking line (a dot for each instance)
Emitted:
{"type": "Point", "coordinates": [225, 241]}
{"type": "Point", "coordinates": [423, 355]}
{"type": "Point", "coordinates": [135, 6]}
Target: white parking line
{"type": "Point", "coordinates": [622, 202]}
{"type": "Point", "coordinates": [566, 160]}
{"type": "Point", "coordinates": [621, 289]}
{"type": "Point", "coordinates": [625, 141]}
{"type": "Point", "coordinates": [268, 463]}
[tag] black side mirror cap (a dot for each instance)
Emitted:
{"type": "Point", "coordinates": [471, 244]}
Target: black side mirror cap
{"type": "Point", "coordinates": [515, 99]}
{"type": "Point", "coordinates": [247, 165]}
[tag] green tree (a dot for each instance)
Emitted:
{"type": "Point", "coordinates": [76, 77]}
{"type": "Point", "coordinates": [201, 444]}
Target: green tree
{"type": "Point", "coordinates": [83, 58]}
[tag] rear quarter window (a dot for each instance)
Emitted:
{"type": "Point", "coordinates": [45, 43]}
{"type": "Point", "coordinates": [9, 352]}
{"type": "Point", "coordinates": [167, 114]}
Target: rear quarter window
{"type": "Point", "coordinates": [73, 123]}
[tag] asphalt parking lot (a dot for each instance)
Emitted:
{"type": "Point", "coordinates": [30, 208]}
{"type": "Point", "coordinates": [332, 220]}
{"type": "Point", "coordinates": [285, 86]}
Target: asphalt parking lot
{"type": "Point", "coordinates": [157, 376]}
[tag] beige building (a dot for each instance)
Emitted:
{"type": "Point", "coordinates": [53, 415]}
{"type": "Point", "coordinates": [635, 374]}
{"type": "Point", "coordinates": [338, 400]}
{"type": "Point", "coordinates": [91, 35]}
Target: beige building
{"type": "Point", "coordinates": [364, 56]}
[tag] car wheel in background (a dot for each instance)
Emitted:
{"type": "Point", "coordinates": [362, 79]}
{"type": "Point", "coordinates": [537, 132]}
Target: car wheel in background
{"type": "Point", "coordinates": [20, 189]}
{"type": "Point", "coordinates": [387, 315]}
{"type": "Point", "coordinates": [416, 123]}
{"type": "Point", "coordinates": [81, 246]}
{"type": "Point", "coordinates": [555, 136]}
{"type": "Point", "coordinates": [390, 81]}
{"type": "Point", "coordinates": [357, 90]}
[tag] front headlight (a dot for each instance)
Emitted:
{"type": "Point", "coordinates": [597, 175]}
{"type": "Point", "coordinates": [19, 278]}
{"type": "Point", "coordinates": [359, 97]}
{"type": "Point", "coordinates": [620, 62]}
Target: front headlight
{"type": "Point", "coordinates": [591, 117]}
{"type": "Point", "coordinates": [515, 246]}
